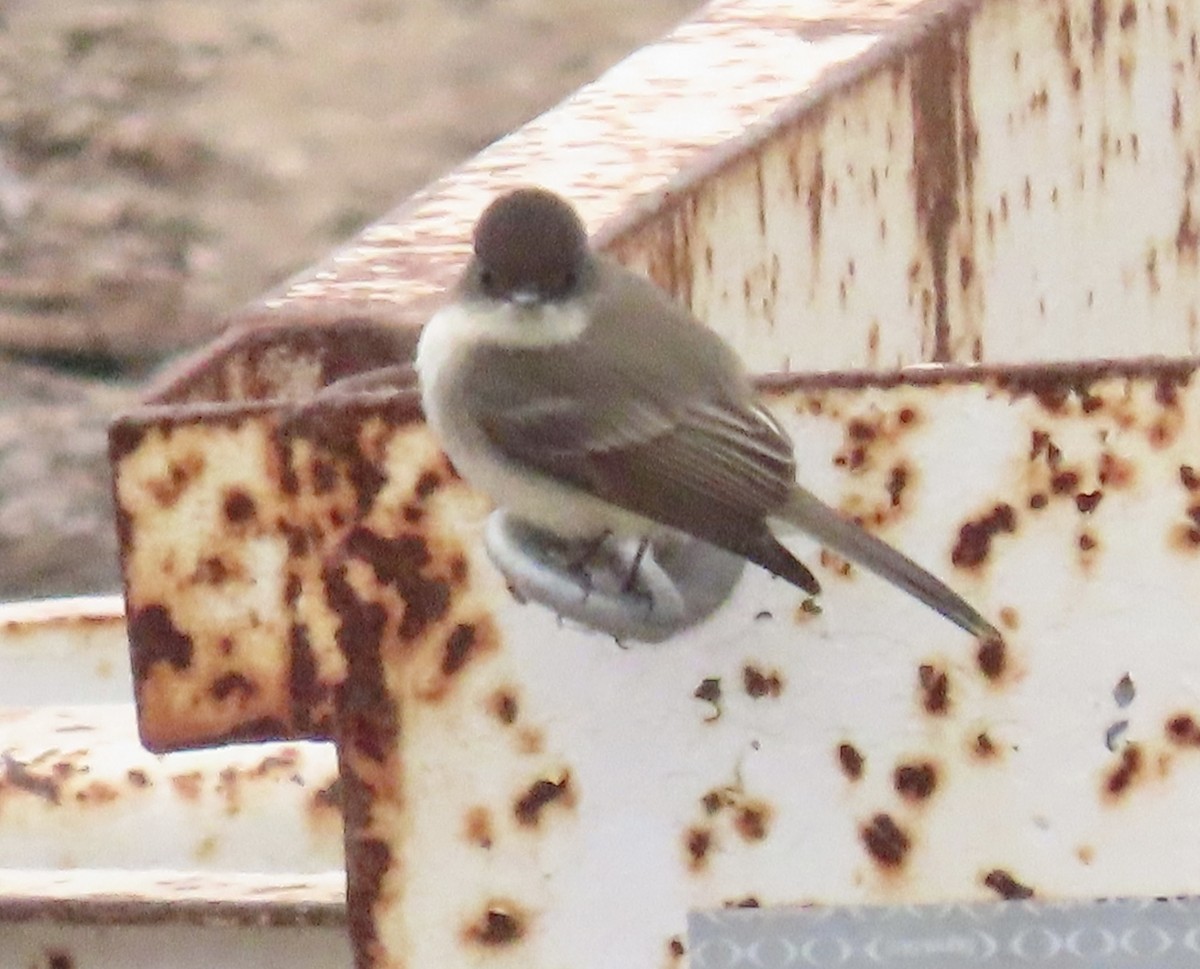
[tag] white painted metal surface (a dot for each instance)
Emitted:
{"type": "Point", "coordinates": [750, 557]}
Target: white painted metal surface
{"type": "Point", "coordinates": [111, 856]}
{"type": "Point", "coordinates": [1015, 776]}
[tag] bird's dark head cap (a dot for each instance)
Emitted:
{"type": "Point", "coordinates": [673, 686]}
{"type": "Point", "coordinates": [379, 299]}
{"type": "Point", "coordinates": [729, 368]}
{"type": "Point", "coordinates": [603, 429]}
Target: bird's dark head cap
{"type": "Point", "coordinates": [529, 244]}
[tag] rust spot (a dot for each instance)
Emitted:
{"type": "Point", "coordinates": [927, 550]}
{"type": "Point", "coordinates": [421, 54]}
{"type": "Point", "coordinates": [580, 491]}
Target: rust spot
{"type": "Point", "coordinates": [138, 777]}
{"type": "Point", "coordinates": [712, 802]}
{"type": "Point", "coordinates": [697, 843]}
{"type": "Point", "coordinates": [478, 827]}
{"type": "Point", "coordinates": [230, 683]}
{"type": "Point", "coordinates": [992, 657]}
{"type": "Point", "coordinates": [897, 482]}
{"type": "Point", "coordinates": [329, 797]}
{"type": "Point", "coordinates": [1120, 777]}
{"type": "Point", "coordinates": [966, 271]}
{"type": "Point", "coordinates": [1009, 618]}
{"type": "Point", "coordinates": [18, 775]}
{"type": "Point", "coordinates": [542, 793]}
{"type": "Point", "coordinates": [853, 459]}
{"type": "Point", "coordinates": [748, 901]}
{"type": "Point", "coordinates": [851, 760]}
{"type": "Point", "coordinates": [915, 782]}
{"type": "Point", "coordinates": [1099, 24]}
{"type": "Point", "coordinates": [1038, 500]}
{"type": "Point", "coordinates": [816, 199]}
{"type": "Point", "coordinates": [154, 638]}
{"type": "Point", "coordinates": [861, 431]}
{"type": "Point", "coordinates": [1187, 236]}
{"type": "Point", "coordinates": [975, 537]}
{"type": "Point", "coordinates": [1087, 542]}
{"type": "Point", "coordinates": [709, 691]}
{"type": "Point", "coordinates": [1086, 501]}
{"type": "Point", "coordinates": [459, 644]}
{"type": "Point", "coordinates": [1182, 729]}
{"type": "Point", "coordinates": [427, 484]}
{"type": "Point", "coordinates": [885, 841]}
{"type": "Point", "coordinates": [1064, 482]}
{"type": "Point", "coordinates": [1188, 477]}
{"type": "Point", "coordinates": [324, 476]}
{"type": "Point", "coordinates": [239, 506]}
{"type": "Point", "coordinates": [1086, 854]}
{"type": "Point", "coordinates": [97, 792]}
{"type": "Point", "coordinates": [984, 747]}
{"type": "Point", "coordinates": [941, 155]}
{"type": "Point", "coordinates": [167, 490]}
{"type": "Point", "coordinates": [906, 416]}
{"type": "Point", "coordinates": [500, 925]}
{"type": "Point", "coordinates": [188, 786]}
{"type": "Point", "coordinates": [758, 684]}
{"type": "Point", "coordinates": [808, 609]}
{"type": "Point", "coordinates": [675, 948]}
{"type": "Point", "coordinates": [752, 821]}
{"type": "Point", "coordinates": [1186, 538]}
{"type": "Point", "coordinates": [935, 689]}
{"type": "Point", "coordinates": [1007, 887]}
{"type": "Point", "coordinates": [298, 541]}
{"type": "Point", "coordinates": [305, 688]}
{"type": "Point", "coordinates": [1115, 471]}
{"type": "Point", "coordinates": [210, 571]}
{"type": "Point", "coordinates": [400, 562]}
{"type": "Point", "coordinates": [504, 706]}
{"type": "Point", "coordinates": [1162, 433]}
{"type": "Point", "coordinates": [1039, 441]}
{"type": "Point", "coordinates": [835, 564]}
{"type": "Point", "coordinates": [530, 741]}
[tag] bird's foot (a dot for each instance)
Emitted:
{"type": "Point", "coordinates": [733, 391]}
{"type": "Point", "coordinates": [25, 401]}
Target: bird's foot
{"type": "Point", "coordinates": [583, 556]}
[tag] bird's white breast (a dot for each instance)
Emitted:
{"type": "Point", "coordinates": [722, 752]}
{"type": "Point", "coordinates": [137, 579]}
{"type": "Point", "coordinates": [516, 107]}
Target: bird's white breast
{"type": "Point", "coordinates": [445, 346]}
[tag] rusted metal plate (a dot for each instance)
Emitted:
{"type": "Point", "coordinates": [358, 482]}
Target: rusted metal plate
{"type": "Point", "coordinates": [528, 764]}
{"type": "Point", "coordinates": [78, 791]}
{"type": "Point", "coordinates": [108, 852]}
{"type": "Point", "coordinates": [67, 946]}
{"type": "Point", "coordinates": [564, 786]}
{"type": "Point", "coordinates": [64, 651]}
{"type": "Point", "coordinates": [831, 186]}
{"type": "Point", "coordinates": [840, 185]}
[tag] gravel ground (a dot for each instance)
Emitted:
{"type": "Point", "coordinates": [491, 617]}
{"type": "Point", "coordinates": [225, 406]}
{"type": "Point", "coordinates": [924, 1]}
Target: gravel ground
{"type": "Point", "coordinates": [164, 161]}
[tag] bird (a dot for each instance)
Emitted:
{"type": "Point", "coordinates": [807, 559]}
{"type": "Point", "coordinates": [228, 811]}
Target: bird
{"type": "Point", "coordinates": [582, 399]}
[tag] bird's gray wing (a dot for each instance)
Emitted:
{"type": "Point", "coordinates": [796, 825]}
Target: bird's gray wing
{"type": "Point", "coordinates": [703, 458]}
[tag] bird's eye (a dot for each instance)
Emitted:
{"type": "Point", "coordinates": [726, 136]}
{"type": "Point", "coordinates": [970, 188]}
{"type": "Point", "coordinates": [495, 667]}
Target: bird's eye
{"type": "Point", "coordinates": [487, 279]}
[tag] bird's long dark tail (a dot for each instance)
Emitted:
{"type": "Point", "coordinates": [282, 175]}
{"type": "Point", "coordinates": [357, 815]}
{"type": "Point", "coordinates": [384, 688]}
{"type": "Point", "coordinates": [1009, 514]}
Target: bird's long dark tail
{"type": "Point", "coordinates": [808, 513]}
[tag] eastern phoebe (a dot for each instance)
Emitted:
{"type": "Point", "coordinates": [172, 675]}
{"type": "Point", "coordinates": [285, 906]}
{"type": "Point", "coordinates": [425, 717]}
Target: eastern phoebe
{"type": "Point", "coordinates": [583, 400]}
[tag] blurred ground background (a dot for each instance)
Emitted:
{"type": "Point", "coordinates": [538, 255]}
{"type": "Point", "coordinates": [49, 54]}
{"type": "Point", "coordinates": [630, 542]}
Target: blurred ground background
{"type": "Point", "coordinates": [164, 161]}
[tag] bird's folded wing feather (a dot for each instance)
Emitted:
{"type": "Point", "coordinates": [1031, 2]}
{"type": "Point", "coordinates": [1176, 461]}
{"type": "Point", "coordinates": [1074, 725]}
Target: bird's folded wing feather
{"type": "Point", "coordinates": [699, 458]}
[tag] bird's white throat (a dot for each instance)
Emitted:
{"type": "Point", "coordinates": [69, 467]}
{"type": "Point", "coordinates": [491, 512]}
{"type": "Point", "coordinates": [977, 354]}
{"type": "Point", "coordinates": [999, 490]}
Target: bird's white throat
{"type": "Point", "coordinates": [463, 325]}
{"type": "Point", "coordinates": [445, 347]}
